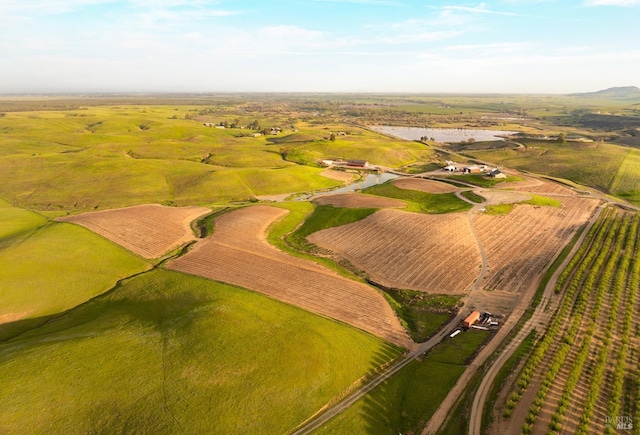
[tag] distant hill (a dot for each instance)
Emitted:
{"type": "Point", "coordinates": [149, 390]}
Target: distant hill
{"type": "Point", "coordinates": [617, 93]}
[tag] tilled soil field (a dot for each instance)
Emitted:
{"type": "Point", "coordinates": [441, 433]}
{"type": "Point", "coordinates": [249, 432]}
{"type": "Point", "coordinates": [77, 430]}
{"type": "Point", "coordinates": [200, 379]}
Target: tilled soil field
{"type": "Point", "coordinates": [359, 200]}
{"type": "Point", "coordinates": [433, 253]}
{"type": "Point", "coordinates": [237, 253]}
{"type": "Point", "coordinates": [428, 186]}
{"type": "Point", "coordinates": [149, 230]}
{"type": "Point", "coordinates": [522, 244]}
{"type": "Point", "coordinates": [540, 186]}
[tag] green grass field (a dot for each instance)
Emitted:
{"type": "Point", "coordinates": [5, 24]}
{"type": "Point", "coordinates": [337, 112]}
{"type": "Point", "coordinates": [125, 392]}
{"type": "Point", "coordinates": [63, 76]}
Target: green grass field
{"type": "Point", "coordinates": [107, 157]}
{"type": "Point", "coordinates": [325, 216]}
{"type": "Point", "coordinates": [482, 180]}
{"type": "Point", "coordinates": [49, 267]}
{"type": "Point", "coordinates": [405, 403]}
{"type": "Point", "coordinates": [166, 352]}
{"type": "Point", "coordinates": [421, 202]}
{"type": "Point", "coordinates": [423, 314]}
{"type": "Point", "coordinates": [611, 168]}
{"type": "Point", "coordinates": [626, 183]}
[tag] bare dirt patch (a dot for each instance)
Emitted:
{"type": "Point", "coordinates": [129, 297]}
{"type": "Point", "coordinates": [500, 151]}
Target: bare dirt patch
{"type": "Point", "coordinates": [237, 253]}
{"type": "Point", "coordinates": [149, 230]}
{"type": "Point", "coordinates": [339, 175]}
{"type": "Point", "coordinates": [428, 186]}
{"type": "Point", "coordinates": [494, 196]}
{"type": "Point", "coordinates": [359, 200]}
{"type": "Point", "coordinates": [541, 186]}
{"type": "Point", "coordinates": [432, 253]}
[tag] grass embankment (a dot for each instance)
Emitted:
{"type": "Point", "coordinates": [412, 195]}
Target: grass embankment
{"type": "Point", "coordinates": [50, 267]}
{"type": "Point", "coordinates": [323, 217]}
{"type": "Point", "coordinates": [482, 180]}
{"type": "Point", "coordinates": [167, 352]}
{"type": "Point", "coordinates": [421, 202]}
{"type": "Point", "coordinates": [536, 200]}
{"type": "Point", "coordinates": [473, 197]}
{"type": "Point", "coordinates": [423, 314]}
{"type": "Point", "coordinates": [404, 403]}
{"type": "Point", "coordinates": [280, 232]}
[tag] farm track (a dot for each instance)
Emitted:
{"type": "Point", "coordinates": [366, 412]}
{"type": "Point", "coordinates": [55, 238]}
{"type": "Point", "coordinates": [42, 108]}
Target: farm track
{"type": "Point", "coordinates": [237, 253]}
{"type": "Point", "coordinates": [149, 230]}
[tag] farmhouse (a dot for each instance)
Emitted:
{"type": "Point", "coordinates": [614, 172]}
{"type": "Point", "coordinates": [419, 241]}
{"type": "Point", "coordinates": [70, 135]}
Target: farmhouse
{"type": "Point", "coordinates": [471, 170]}
{"type": "Point", "coordinates": [450, 168]}
{"type": "Point", "coordinates": [496, 173]}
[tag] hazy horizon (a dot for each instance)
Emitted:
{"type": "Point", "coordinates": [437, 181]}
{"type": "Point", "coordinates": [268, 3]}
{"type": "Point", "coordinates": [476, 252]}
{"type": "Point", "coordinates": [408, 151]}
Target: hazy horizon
{"type": "Point", "coordinates": [319, 46]}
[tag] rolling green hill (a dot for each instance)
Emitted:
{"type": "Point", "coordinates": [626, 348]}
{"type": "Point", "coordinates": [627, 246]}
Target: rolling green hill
{"type": "Point", "coordinates": [166, 352]}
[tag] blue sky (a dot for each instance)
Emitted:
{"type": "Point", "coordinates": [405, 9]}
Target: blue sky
{"type": "Point", "coordinates": [510, 46]}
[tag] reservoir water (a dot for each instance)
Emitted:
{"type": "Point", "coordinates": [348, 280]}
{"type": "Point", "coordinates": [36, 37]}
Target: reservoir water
{"type": "Point", "coordinates": [442, 134]}
{"type": "Point", "coordinates": [369, 180]}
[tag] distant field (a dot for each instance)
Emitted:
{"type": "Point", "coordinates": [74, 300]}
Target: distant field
{"type": "Point", "coordinates": [610, 168]}
{"type": "Point", "coordinates": [627, 181]}
{"type": "Point", "coordinates": [110, 157]}
{"type": "Point", "coordinates": [167, 353]}
{"type": "Point", "coordinates": [56, 267]}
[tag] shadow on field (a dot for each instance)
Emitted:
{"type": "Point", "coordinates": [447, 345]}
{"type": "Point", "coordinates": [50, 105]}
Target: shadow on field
{"type": "Point", "coordinates": [151, 304]}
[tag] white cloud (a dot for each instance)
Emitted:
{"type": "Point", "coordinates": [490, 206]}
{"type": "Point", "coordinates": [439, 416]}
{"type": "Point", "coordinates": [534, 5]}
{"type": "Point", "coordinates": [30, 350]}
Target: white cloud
{"type": "Point", "coordinates": [612, 3]}
{"type": "Point", "coordinates": [480, 9]}
{"type": "Point", "coordinates": [364, 2]}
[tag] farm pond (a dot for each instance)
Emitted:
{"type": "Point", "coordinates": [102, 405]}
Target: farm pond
{"type": "Point", "coordinates": [443, 134]}
{"type": "Point", "coordinates": [368, 181]}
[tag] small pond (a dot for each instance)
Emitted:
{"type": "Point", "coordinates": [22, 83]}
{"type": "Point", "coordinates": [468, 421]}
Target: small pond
{"type": "Point", "coordinates": [369, 180]}
{"type": "Point", "coordinates": [452, 135]}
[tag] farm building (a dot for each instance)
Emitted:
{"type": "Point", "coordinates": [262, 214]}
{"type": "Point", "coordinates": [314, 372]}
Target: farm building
{"type": "Point", "coordinates": [475, 169]}
{"type": "Point", "coordinates": [449, 168]}
{"type": "Point", "coordinates": [471, 319]}
{"type": "Point", "coordinates": [496, 173]}
{"type": "Point", "coordinates": [358, 163]}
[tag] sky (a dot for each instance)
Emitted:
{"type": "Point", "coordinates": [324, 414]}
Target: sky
{"type": "Point", "coordinates": [406, 46]}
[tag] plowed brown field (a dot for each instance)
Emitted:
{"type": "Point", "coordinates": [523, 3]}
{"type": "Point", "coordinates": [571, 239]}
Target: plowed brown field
{"type": "Point", "coordinates": [540, 186]}
{"type": "Point", "coordinates": [434, 253]}
{"type": "Point", "coordinates": [359, 200]}
{"type": "Point", "coordinates": [523, 243]}
{"type": "Point", "coordinates": [428, 186]}
{"type": "Point", "coordinates": [149, 230]}
{"type": "Point", "coordinates": [237, 253]}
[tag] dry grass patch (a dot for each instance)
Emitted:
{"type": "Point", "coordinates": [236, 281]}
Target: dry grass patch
{"type": "Point", "coordinates": [149, 230]}
{"type": "Point", "coordinates": [359, 200]}
{"type": "Point", "coordinates": [433, 253]}
{"type": "Point", "coordinates": [338, 175]}
{"type": "Point", "coordinates": [428, 186]}
{"type": "Point", "coordinates": [237, 253]}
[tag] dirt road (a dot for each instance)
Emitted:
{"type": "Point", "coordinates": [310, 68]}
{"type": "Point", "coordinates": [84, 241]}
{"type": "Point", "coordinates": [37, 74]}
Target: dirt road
{"type": "Point", "coordinates": [539, 319]}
